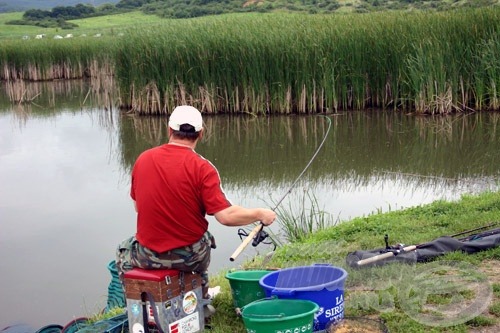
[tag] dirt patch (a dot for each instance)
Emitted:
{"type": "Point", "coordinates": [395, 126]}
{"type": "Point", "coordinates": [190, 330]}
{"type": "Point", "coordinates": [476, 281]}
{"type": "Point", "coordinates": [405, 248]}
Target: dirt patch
{"type": "Point", "coordinates": [449, 290]}
{"type": "Point", "coordinates": [358, 325]}
{"type": "Point", "coordinates": [491, 268]}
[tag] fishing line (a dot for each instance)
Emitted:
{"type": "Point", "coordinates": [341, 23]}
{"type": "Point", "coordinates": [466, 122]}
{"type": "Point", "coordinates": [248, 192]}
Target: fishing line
{"type": "Point", "coordinates": [419, 175]}
{"type": "Point", "coordinates": [308, 164]}
{"type": "Point", "coordinates": [258, 234]}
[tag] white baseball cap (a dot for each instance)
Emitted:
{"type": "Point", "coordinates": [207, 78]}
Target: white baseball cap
{"type": "Point", "coordinates": [185, 114]}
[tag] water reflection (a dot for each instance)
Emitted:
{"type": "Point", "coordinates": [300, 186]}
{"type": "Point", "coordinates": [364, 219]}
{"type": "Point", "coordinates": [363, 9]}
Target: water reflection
{"type": "Point", "coordinates": [275, 149]}
{"type": "Point", "coordinates": [65, 162]}
{"type": "Point", "coordinates": [99, 92]}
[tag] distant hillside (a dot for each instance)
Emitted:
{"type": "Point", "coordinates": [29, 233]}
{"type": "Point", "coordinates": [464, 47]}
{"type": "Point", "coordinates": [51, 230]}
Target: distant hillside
{"type": "Point", "coordinates": [196, 8]}
{"type": "Point", "coordinates": [36, 11]}
{"type": "Point", "coordinates": [22, 5]}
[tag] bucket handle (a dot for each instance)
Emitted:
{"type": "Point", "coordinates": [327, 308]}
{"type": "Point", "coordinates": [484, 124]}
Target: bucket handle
{"type": "Point", "coordinates": [281, 315]}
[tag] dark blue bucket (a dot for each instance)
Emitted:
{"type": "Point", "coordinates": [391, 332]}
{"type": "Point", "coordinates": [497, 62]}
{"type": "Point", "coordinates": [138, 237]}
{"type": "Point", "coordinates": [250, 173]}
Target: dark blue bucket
{"type": "Point", "coordinates": [320, 283]}
{"type": "Point", "coordinates": [116, 298]}
{"type": "Point", "coordinates": [53, 328]}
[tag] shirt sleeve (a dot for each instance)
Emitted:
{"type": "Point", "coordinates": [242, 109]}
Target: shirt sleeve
{"type": "Point", "coordinates": [214, 198]}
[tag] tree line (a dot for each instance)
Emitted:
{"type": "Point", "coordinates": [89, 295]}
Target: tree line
{"type": "Point", "coordinates": [60, 15]}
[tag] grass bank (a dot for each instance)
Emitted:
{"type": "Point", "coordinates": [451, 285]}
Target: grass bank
{"type": "Point", "coordinates": [399, 293]}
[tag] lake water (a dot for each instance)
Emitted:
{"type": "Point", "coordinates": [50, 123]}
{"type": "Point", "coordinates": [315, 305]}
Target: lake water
{"type": "Point", "coordinates": [64, 174]}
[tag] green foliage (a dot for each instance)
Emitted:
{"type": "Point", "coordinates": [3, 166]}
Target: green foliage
{"type": "Point", "coordinates": [106, 315]}
{"type": "Point", "coordinates": [57, 17]}
{"type": "Point", "coordinates": [36, 14]}
{"type": "Point", "coordinates": [496, 289]}
{"type": "Point", "coordinates": [21, 5]}
{"type": "Point", "coordinates": [60, 12]}
{"type": "Point", "coordinates": [44, 23]}
{"type": "Point", "coordinates": [481, 321]}
{"type": "Point", "coordinates": [196, 8]}
{"type": "Point", "coordinates": [494, 309]}
{"type": "Point", "coordinates": [310, 218]}
{"type": "Point", "coordinates": [132, 4]}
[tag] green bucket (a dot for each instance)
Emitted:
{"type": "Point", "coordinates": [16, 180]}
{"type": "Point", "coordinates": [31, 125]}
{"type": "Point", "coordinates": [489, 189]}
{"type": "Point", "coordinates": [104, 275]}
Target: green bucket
{"type": "Point", "coordinates": [279, 315]}
{"type": "Point", "coordinates": [245, 286]}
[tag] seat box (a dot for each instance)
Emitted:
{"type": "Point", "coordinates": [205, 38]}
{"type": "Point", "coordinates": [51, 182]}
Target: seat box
{"type": "Point", "coordinates": [176, 296]}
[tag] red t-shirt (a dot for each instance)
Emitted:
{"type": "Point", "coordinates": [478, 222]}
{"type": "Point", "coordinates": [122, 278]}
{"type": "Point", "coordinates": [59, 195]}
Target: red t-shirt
{"type": "Point", "coordinates": [174, 188]}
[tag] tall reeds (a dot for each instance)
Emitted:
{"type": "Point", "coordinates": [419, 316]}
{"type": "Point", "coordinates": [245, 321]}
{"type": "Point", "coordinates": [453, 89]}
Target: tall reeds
{"type": "Point", "coordinates": [423, 62]}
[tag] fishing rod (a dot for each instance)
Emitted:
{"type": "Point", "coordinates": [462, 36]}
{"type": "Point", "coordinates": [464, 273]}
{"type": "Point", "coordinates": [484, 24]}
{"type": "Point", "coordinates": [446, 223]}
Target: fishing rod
{"type": "Point", "coordinates": [392, 252]}
{"type": "Point", "coordinates": [258, 234]}
{"type": "Point", "coordinates": [475, 229]}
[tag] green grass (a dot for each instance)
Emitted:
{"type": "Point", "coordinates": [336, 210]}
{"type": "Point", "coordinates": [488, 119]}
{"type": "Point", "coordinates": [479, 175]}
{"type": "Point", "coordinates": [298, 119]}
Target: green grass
{"type": "Point", "coordinates": [494, 309]}
{"type": "Point", "coordinates": [109, 25]}
{"type": "Point", "coordinates": [106, 315]}
{"type": "Point", "coordinates": [481, 321]}
{"type": "Point", "coordinates": [496, 289]}
{"type": "Point", "coordinates": [114, 24]}
{"type": "Point", "coordinates": [18, 31]}
{"type": "Point", "coordinates": [297, 225]}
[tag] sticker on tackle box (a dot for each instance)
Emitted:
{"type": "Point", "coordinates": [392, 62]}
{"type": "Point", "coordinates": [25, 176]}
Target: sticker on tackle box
{"type": "Point", "coordinates": [189, 302]}
{"type": "Point", "coordinates": [188, 324]}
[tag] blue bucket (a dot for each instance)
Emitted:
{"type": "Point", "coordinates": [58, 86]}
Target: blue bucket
{"type": "Point", "coordinates": [319, 283]}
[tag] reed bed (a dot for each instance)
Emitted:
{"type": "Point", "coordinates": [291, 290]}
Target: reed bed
{"type": "Point", "coordinates": [433, 63]}
{"type": "Point", "coordinates": [48, 59]}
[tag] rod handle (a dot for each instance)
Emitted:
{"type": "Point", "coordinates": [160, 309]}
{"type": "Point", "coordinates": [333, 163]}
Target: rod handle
{"type": "Point", "coordinates": [384, 256]}
{"type": "Point", "coordinates": [246, 241]}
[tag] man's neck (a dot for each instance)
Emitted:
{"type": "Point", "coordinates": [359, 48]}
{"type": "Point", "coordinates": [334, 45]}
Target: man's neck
{"type": "Point", "coordinates": [182, 143]}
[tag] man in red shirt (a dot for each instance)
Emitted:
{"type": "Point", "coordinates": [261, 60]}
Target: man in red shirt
{"type": "Point", "coordinates": [173, 188]}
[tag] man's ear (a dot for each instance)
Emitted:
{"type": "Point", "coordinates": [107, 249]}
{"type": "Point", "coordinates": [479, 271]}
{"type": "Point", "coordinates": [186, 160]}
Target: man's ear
{"type": "Point", "coordinates": [202, 131]}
